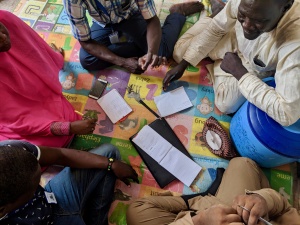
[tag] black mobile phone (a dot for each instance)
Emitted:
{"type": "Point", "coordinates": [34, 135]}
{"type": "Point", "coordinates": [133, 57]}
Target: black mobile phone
{"type": "Point", "coordinates": [98, 88]}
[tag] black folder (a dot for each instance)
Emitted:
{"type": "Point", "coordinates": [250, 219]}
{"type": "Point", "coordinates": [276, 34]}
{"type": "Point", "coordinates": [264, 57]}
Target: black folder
{"type": "Point", "coordinates": [161, 175]}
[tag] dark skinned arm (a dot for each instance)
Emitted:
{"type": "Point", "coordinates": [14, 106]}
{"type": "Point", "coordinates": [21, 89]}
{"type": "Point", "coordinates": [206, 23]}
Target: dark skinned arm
{"type": "Point", "coordinates": [153, 42]}
{"type": "Point", "coordinates": [174, 73]}
{"type": "Point", "coordinates": [85, 160]}
{"type": "Point", "coordinates": [102, 52]}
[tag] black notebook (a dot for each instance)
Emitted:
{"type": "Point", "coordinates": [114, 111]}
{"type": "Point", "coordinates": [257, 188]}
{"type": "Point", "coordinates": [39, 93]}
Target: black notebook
{"type": "Point", "coordinates": [161, 175]}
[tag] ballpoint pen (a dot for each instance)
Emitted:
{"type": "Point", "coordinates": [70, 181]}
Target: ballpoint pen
{"type": "Point", "coordinates": [137, 97]}
{"type": "Point", "coordinates": [259, 218]}
{"type": "Point", "coordinates": [79, 113]}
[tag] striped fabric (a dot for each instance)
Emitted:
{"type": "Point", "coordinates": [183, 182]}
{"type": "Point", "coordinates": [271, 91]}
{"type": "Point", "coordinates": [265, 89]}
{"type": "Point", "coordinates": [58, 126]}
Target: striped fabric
{"type": "Point", "coordinates": [116, 11]}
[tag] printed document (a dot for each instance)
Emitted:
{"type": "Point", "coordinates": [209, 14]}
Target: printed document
{"type": "Point", "coordinates": [169, 157]}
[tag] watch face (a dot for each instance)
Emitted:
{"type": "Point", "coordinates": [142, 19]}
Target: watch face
{"type": "Point", "coordinates": [217, 140]}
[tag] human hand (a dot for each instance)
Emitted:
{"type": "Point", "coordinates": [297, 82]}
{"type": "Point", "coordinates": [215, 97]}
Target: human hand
{"type": "Point", "coordinates": [255, 203]}
{"type": "Point", "coordinates": [217, 215]}
{"type": "Point", "coordinates": [132, 65]}
{"type": "Point", "coordinates": [151, 60]}
{"type": "Point", "coordinates": [58, 50]}
{"type": "Point", "coordinates": [86, 126]}
{"type": "Point", "coordinates": [124, 172]}
{"type": "Point", "coordinates": [232, 64]}
{"type": "Point", "coordinates": [175, 73]}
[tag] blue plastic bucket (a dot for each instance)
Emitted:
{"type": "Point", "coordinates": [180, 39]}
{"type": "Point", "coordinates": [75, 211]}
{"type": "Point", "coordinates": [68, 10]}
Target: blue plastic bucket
{"type": "Point", "coordinates": [257, 136]}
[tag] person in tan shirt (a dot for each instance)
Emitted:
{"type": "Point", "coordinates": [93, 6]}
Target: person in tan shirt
{"type": "Point", "coordinates": [248, 40]}
{"type": "Point", "coordinates": [243, 184]}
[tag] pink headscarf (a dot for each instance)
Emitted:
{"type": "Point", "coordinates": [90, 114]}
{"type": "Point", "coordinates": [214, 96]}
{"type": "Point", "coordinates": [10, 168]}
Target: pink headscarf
{"type": "Point", "coordinates": [30, 92]}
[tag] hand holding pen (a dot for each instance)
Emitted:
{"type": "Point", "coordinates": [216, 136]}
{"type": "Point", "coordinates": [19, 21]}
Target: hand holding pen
{"type": "Point", "coordinates": [259, 218]}
{"type": "Point", "coordinates": [90, 114]}
{"type": "Point", "coordinates": [251, 207]}
{"type": "Point", "coordinates": [84, 126]}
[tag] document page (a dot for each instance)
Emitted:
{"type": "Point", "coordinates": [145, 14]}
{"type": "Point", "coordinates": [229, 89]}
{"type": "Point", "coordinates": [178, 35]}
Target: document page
{"type": "Point", "coordinates": [172, 102]}
{"type": "Point", "coordinates": [169, 157]}
{"type": "Point", "coordinates": [114, 105]}
{"type": "Point", "coordinates": [152, 143]}
{"type": "Point", "coordinates": [181, 166]}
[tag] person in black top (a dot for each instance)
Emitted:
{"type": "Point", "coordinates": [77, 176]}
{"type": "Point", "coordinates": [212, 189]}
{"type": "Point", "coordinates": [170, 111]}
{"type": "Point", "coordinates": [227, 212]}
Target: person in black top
{"type": "Point", "coordinates": [80, 194]}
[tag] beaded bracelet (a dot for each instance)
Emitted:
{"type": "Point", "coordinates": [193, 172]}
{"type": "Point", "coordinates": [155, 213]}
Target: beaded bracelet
{"type": "Point", "coordinates": [110, 162]}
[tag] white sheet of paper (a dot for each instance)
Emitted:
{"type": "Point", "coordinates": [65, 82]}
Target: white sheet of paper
{"type": "Point", "coordinates": [172, 102]}
{"type": "Point", "coordinates": [152, 143]}
{"type": "Point", "coordinates": [169, 157]}
{"type": "Point", "coordinates": [114, 105]}
{"type": "Point", "coordinates": [184, 169]}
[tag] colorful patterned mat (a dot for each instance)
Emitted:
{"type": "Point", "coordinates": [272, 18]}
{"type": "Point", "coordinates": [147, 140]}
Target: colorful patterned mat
{"type": "Point", "coordinates": [48, 18]}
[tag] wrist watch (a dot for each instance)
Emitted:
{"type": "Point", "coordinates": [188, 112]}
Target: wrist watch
{"type": "Point", "coordinates": [110, 162]}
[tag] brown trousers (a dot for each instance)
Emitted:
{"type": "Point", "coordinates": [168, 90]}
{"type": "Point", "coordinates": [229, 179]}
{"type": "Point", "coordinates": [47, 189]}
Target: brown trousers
{"type": "Point", "coordinates": [242, 174]}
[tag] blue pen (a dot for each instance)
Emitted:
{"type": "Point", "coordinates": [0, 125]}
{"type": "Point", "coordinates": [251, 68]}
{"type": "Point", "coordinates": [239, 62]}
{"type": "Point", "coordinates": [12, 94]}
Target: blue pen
{"type": "Point", "coordinates": [261, 219]}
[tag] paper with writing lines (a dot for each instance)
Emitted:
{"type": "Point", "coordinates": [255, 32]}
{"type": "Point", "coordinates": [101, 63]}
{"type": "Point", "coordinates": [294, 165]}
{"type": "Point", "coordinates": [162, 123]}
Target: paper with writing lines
{"type": "Point", "coordinates": [114, 105]}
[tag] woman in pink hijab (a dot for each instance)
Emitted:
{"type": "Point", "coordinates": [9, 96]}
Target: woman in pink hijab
{"type": "Point", "coordinates": [32, 105]}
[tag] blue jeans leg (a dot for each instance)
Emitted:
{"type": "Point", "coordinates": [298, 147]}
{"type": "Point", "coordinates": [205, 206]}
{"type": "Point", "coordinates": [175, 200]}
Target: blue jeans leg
{"type": "Point", "coordinates": [136, 29]}
{"type": "Point", "coordinates": [101, 35]}
{"type": "Point", "coordinates": [84, 195]}
{"type": "Point", "coordinates": [170, 33]}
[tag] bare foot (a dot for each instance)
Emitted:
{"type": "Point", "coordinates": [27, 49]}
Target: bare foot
{"type": "Point", "coordinates": [187, 8]}
{"type": "Point", "coordinates": [58, 50]}
{"type": "Point", "coordinates": [216, 6]}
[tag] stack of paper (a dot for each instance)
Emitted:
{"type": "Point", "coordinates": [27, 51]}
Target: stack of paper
{"type": "Point", "coordinates": [114, 106]}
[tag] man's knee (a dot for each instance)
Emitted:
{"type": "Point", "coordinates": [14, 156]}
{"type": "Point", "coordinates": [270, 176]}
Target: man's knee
{"type": "Point", "coordinates": [183, 43]}
{"type": "Point", "coordinates": [242, 162]}
{"type": "Point", "coordinates": [135, 209]}
{"type": "Point", "coordinates": [228, 98]}
{"type": "Point", "coordinates": [178, 52]}
{"type": "Point", "coordinates": [181, 47]}
{"type": "Point", "coordinates": [225, 107]}
{"type": "Point", "coordinates": [90, 62]}
{"type": "Point", "coordinates": [107, 150]}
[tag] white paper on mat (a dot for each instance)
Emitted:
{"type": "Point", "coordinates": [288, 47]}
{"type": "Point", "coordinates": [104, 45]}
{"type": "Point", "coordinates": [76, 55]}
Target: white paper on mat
{"type": "Point", "coordinates": [169, 157]}
{"type": "Point", "coordinates": [184, 169]}
{"type": "Point", "coordinates": [114, 105]}
{"type": "Point", "coordinates": [172, 102]}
